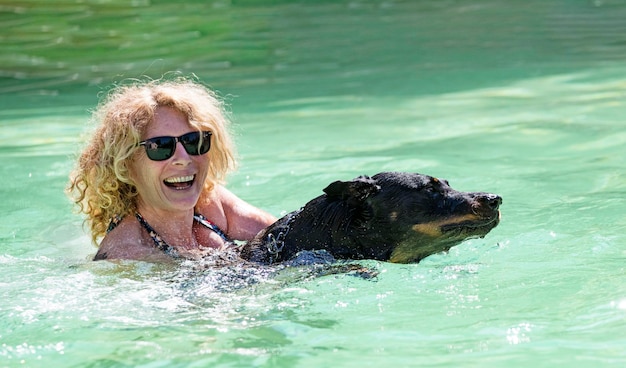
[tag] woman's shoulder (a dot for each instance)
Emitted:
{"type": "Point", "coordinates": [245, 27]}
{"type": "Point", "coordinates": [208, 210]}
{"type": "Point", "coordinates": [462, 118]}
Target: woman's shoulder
{"type": "Point", "coordinates": [126, 241]}
{"type": "Point", "coordinates": [213, 201]}
{"type": "Point", "coordinates": [238, 218]}
{"type": "Point", "coordinates": [216, 193]}
{"type": "Point", "coordinates": [219, 197]}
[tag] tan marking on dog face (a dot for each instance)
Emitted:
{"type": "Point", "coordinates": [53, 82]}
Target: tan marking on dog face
{"type": "Point", "coordinates": [433, 228]}
{"type": "Point", "coordinates": [409, 251]}
{"type": "Point", "coordinates": [393, 216]}
{"type": "Point", "coordinates": [401, 255]}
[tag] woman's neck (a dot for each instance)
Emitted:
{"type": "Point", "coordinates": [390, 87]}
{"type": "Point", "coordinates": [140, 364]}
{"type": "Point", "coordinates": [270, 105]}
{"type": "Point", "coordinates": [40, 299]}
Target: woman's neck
{"type": "Point", "coordinates": [175, 228]}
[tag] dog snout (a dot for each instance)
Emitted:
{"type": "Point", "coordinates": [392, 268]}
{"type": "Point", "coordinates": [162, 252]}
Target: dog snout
{"type": "Point", "coordinates": [486, 202]}
{"type": "Point", "coordinates": [492, 200]}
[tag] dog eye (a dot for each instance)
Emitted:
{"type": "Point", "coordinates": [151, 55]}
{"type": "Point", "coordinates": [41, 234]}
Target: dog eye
{"type": "Point", "coordinates": [433, 189]}
{"type": "Point", "coordinates": [433, 185]}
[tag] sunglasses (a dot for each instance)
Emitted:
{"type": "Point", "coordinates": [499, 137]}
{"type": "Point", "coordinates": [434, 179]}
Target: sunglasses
{"type": "Point", "coordinates": [162, 148]}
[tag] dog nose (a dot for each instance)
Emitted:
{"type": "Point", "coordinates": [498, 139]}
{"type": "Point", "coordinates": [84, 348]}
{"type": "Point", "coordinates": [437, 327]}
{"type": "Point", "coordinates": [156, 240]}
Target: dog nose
{"type": "Point", "coordinates": [489, 200]}
{"type": "Point", "coordinates": [493, 200]}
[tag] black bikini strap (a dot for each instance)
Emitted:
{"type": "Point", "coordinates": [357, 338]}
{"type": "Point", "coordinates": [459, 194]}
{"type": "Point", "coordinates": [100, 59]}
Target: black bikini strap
{"type": "Point", "coordinates": [208, 224]}
{"type": "Point", "coordinates": [114, 222]}
{"type": "Point", "coordinates": [162, 244]}
{"type": "Point", "coordinates": [156, 238]}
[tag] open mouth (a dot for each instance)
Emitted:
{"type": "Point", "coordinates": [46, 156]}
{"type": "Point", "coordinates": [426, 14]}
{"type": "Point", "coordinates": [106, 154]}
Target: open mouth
{"type": "Point", "coordinates": [179, 182]}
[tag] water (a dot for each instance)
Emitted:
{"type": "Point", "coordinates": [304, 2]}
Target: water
{"type": "Point", "coordinates": [523, 99]}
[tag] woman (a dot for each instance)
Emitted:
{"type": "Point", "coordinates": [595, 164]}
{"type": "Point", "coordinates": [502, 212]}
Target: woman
{"type": "Point", "coordinates": [150, 179]}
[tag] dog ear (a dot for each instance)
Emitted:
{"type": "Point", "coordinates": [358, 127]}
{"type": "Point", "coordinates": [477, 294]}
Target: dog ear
{"type": "Point", "coordinates": [354, 191]}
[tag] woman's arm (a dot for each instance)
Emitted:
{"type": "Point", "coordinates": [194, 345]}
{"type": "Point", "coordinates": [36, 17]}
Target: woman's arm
{"type": "Point", "coordinates": [244, 220]}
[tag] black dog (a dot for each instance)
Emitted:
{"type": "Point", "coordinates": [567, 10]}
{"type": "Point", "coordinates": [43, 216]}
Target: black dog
{"type": "Point", "coordinates": [392, 216]}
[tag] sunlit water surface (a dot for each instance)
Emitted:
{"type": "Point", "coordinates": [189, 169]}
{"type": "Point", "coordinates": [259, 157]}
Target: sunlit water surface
{"type": "Point", "coordinates": [526, 100]}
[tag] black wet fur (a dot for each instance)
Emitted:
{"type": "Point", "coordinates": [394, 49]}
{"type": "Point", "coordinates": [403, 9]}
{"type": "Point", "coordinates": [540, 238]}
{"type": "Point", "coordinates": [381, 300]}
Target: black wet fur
{"type": "Point", "coordinates": [391, 216]}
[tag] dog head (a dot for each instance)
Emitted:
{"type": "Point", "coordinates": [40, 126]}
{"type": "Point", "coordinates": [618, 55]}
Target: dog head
{"type": "Point", "coordinates": [405, 217]}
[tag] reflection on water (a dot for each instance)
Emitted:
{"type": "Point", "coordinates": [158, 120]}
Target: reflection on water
{"type": "Point", "coordinates": [379, 48]}
{"type": "Point", "coordinates": [522, 99]}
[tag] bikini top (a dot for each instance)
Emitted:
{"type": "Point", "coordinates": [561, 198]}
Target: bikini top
{"type": "Point", "coordinates": [161, 244]}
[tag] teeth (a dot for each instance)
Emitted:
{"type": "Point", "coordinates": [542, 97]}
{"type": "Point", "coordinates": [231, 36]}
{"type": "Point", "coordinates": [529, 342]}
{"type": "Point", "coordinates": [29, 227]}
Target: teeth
{"type": "Point", "coordinates": [180, 179]}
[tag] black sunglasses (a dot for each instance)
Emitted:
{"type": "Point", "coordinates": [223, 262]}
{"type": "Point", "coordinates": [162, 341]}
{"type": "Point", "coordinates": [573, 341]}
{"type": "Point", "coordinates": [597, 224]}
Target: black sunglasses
{"type": "Point", "coordinates": [162, 148]}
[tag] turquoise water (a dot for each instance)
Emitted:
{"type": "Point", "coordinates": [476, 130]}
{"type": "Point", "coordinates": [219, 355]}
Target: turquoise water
{"type": "Point", "coordinates": [524, 99]}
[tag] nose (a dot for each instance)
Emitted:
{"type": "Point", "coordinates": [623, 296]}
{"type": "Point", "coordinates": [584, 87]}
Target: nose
{"type": "Point", "coordinates": [493, 201]}
{"type": "Point", "coordinates": [180, 155]}
{"type": "Point", "coordinates": [485, 203]}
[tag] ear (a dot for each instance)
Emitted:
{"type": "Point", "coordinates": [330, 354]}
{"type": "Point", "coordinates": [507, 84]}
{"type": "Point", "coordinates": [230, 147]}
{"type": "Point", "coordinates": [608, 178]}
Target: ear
{"type": "Point", "coordinates": [354, 191]}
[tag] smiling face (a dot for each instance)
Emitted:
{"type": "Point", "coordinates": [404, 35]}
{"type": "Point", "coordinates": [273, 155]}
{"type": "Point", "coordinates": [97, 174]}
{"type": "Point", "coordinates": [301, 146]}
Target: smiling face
{"type": "Point", "coordinates": [174, 184]}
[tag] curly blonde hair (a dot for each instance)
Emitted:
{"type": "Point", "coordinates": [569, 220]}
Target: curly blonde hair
{"type": "Point", "coordinates": [101, 185]}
